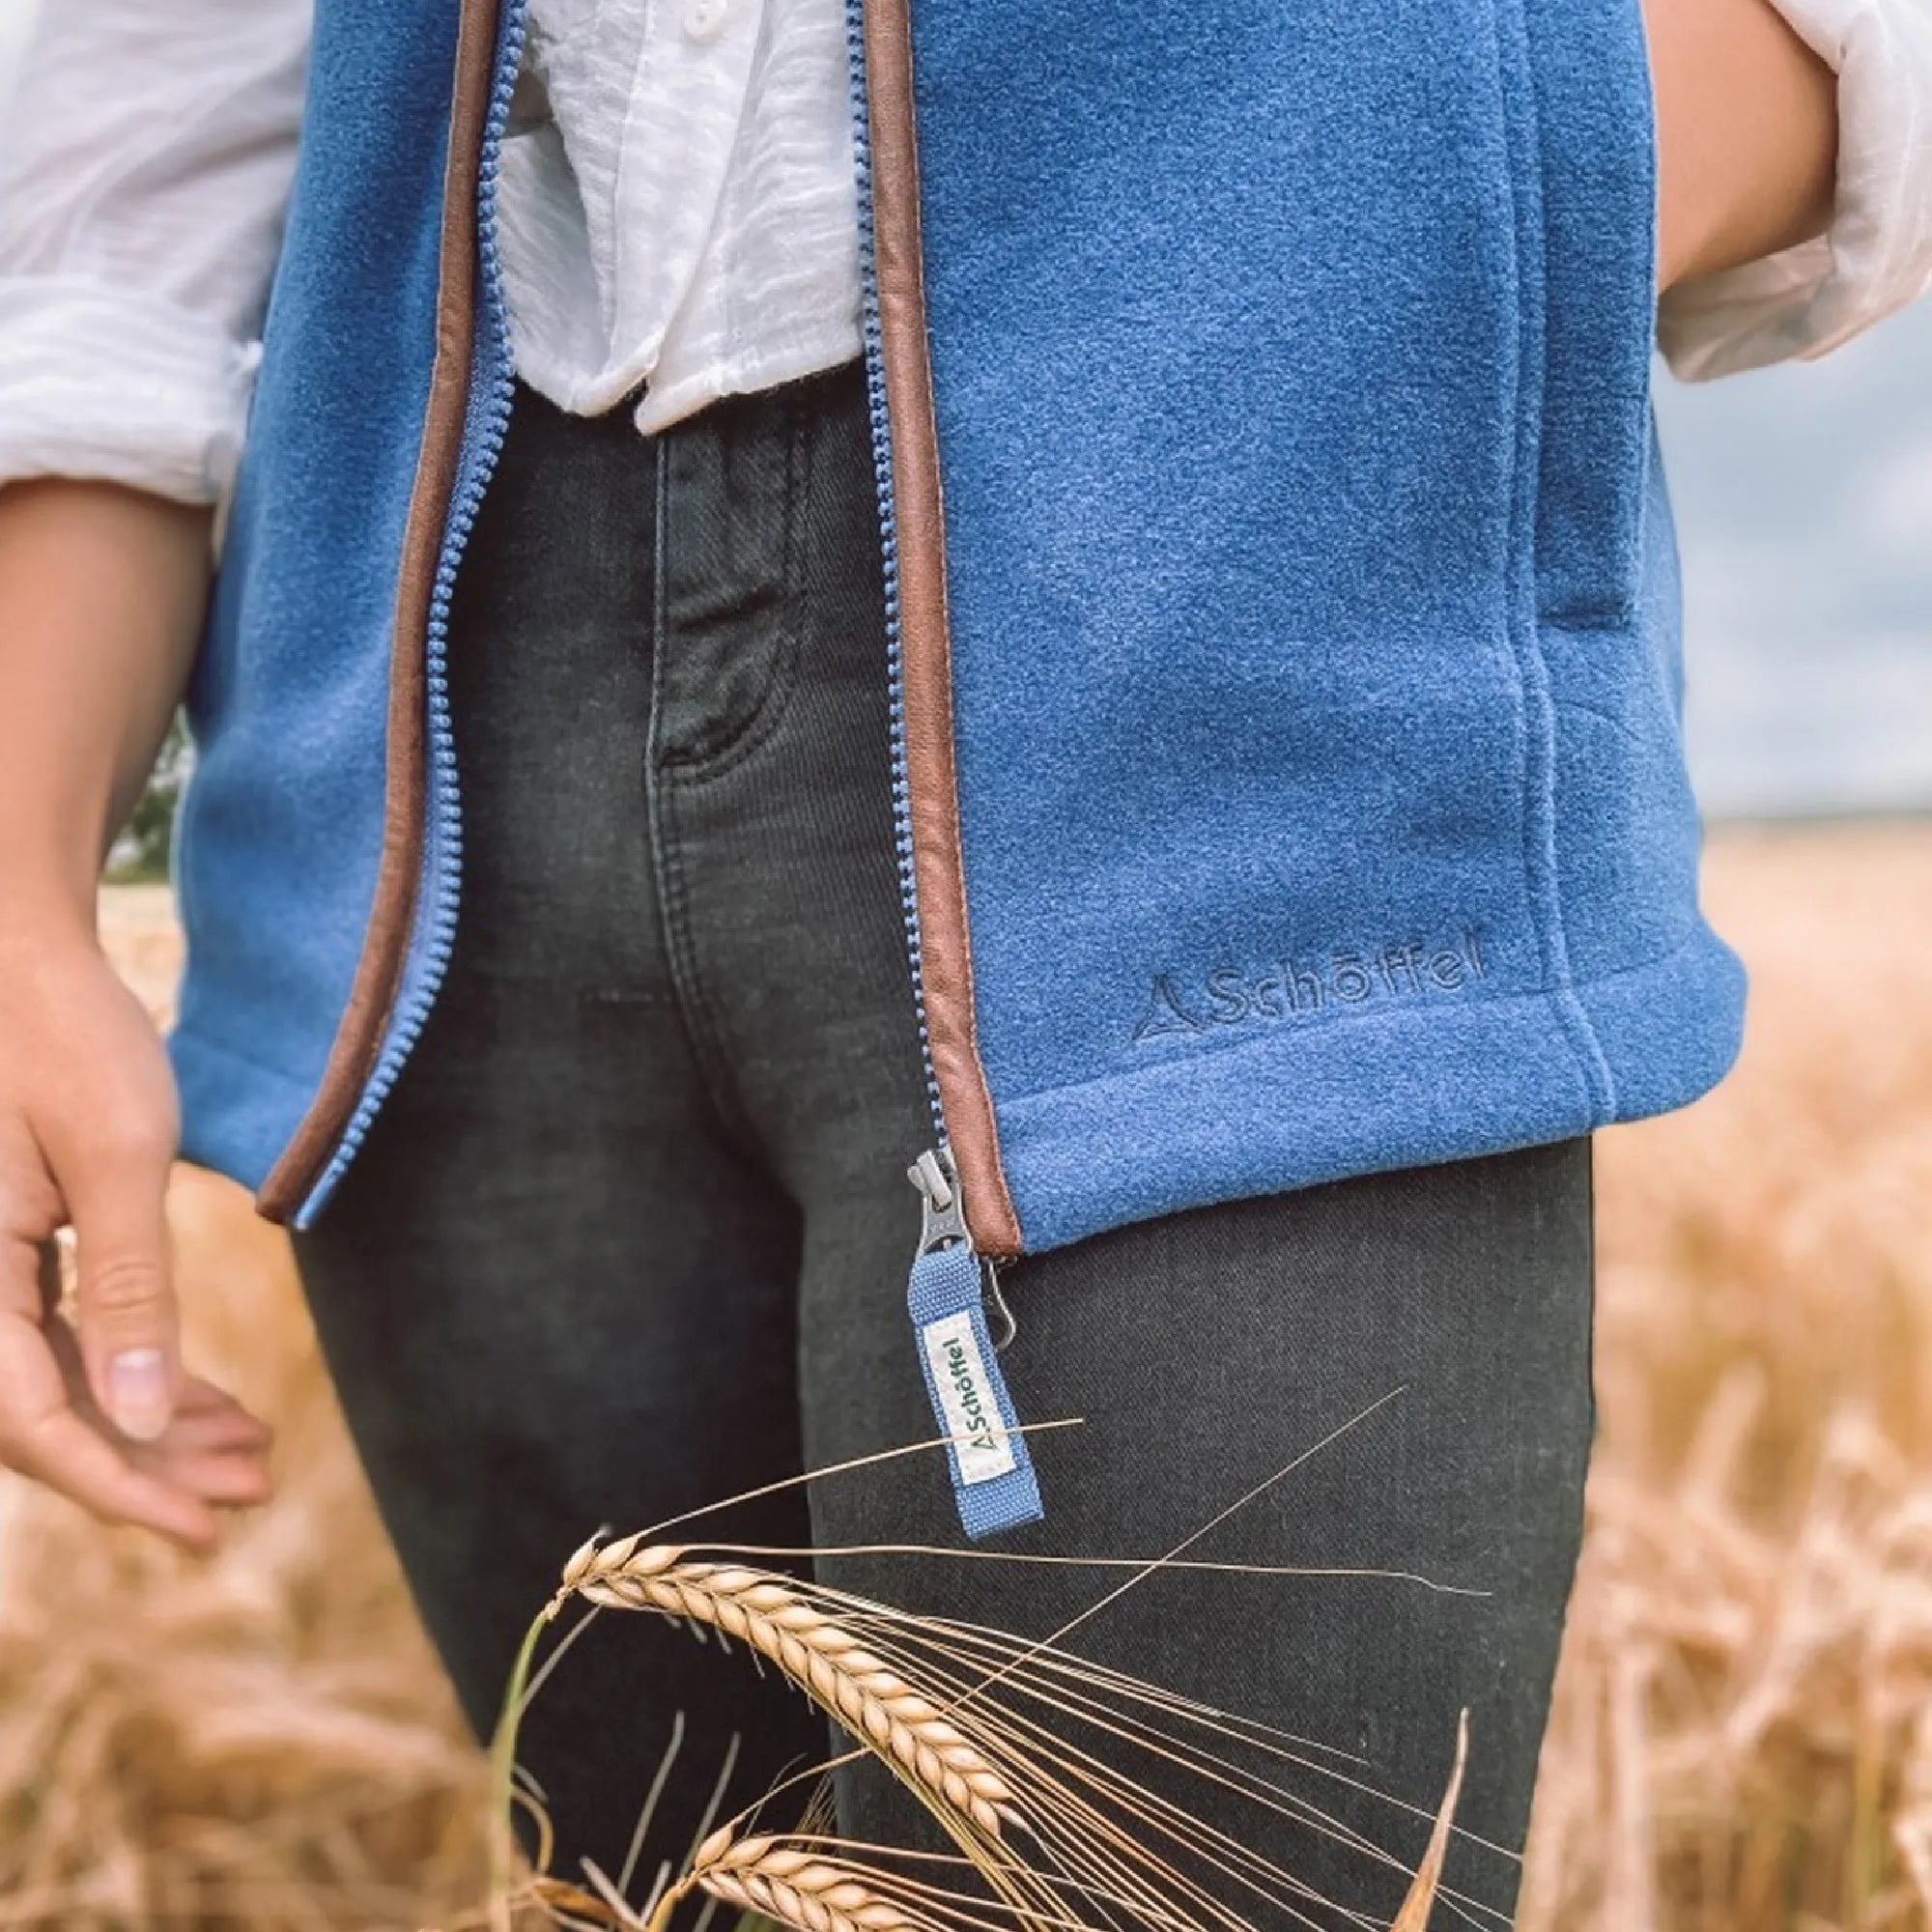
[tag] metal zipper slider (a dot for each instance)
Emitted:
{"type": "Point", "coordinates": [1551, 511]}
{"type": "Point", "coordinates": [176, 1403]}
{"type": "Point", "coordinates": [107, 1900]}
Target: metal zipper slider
{"type": "Point", "coordinates": [993, 1481]}
{"type": "Point", "coordinates": [943, 1217]}
{"type": "Point", "coordinates": [945, 1220]}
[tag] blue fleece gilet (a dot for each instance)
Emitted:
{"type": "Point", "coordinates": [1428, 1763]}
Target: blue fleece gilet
{"type": "Point", "coordinates": [1312, 594]}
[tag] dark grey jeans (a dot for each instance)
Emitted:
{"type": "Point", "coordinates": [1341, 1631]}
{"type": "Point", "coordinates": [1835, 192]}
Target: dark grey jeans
{"type": "Point", "coordinates": [632, 1234]}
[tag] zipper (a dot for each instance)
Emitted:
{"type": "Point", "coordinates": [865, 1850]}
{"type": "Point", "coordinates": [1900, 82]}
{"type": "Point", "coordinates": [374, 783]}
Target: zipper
{"type": "Point", "coordinates": [486, 420]}
{"type": "Point", "coordinates": [917, 634]}
{"type": "Point", "coordinates": [317, 1159]}
{"type": "Point", "coordinates": [953, 1274]}
{"type": "Point", "coordinates": [943, 1221]}
{"type": "Point", "coordinates": [879, 410]}
{"type": "Point", "coordinates": [994, 1486]}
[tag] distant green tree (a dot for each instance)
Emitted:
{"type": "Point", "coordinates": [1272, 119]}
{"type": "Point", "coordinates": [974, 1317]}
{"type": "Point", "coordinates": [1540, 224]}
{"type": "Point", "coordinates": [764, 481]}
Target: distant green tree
{"type": "Point", "coordinates": [142, 852]}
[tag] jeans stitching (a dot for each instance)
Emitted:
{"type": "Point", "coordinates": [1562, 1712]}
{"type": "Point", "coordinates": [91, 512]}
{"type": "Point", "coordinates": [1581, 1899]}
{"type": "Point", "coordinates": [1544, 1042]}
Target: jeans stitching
{"type": "Point", "coordinates": [700, 1022]}
{"type": "Point", "coordinates": [761, 722]}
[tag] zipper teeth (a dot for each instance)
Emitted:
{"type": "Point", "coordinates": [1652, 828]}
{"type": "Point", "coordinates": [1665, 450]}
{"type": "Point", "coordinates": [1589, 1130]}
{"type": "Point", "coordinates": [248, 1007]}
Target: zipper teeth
{"type": "Point", "coordinates": [882, 471]}
{"type": "Point", "coordinates": [434, 939]}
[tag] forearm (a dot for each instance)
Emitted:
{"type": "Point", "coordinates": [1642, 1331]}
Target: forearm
{"type": "Point", "coordinates": [101, 593]}
{"type": "Point", "coordinates": [1747, 135]}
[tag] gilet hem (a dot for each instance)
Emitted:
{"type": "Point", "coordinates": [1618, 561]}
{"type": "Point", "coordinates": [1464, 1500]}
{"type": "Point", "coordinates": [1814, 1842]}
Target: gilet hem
{"type": "Point", "coordinates": [1297, 1106]}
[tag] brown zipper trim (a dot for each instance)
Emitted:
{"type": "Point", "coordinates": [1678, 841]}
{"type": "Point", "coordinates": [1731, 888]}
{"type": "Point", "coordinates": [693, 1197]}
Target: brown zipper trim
{"type": "Point", "coordinates": [372, 995]}
{"type": "Point", "coordinates": [945, 953]}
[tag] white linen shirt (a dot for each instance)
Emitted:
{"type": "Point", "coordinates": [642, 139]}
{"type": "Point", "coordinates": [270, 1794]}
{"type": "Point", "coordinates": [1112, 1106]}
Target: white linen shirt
{"type": "Point", "coordinates": [688, 218]}
{"type": "Point", "coordinates": [678, 217]}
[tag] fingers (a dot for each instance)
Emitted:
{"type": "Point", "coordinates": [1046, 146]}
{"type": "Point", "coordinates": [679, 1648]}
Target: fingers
{"type": "Point", "coordinates": [128, 1327]}
{"type": "Point", "coordinates": [224, 1454]}
{"type": "Point", "coordinates": [45, 1438]}
{"type": "Point", "coordinates": [212, 1414]}
{"type": "Point", "coordinates": [65, 1454]}
{"type": "Point", "coordinates": [213, 1449]}
{"type": "Point", "coordinates": [226, 1478]}
{"type": "Point", "coordinates": [40, 1434]}
{"type": "Point", "coordinates": [219, 1454]}
{"type": "Point", "coordinates": [30, 1211]}
{"type": "Point", "coordinates": [100, 1410]}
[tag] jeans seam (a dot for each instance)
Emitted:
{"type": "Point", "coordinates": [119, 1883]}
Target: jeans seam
{"type": "Point", "coordinates": [694, 1010]}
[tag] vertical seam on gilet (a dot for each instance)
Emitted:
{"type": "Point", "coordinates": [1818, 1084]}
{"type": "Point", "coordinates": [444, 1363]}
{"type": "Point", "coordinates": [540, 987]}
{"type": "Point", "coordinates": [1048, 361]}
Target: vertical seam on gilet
{"type": "Point", "coordinates": [1524, 134]}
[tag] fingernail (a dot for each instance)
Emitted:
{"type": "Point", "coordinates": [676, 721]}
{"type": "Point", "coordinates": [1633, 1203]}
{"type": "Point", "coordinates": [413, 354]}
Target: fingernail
{"type": "Point", "coordinates": [137, 1393]}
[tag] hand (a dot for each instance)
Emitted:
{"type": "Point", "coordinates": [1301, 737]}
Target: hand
{"type": "Point", "coordinates": [100, 1410]}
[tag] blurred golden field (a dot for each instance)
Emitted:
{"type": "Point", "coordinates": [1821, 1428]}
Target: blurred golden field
{"type": "Point", "coordinates": [1743, 1733]}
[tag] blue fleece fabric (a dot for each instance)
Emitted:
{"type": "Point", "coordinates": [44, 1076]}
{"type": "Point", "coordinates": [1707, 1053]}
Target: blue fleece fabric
{"type": "Point", "coordinates": [281, 829]}
{"type": "Point", "coordinates": [1313, 590]}
{"type": "Point", "coordinates": [1311, 580]}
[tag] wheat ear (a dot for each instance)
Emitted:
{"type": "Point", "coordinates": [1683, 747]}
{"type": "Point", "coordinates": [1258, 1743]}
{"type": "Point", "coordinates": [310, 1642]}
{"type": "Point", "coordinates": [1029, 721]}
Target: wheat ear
{"type": "Point", "coordinates": [801, 1888]}
{"type": "Point", "coordinates": [816, 1652]}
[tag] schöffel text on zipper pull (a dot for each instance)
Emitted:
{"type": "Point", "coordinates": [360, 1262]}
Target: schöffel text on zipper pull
{"type": "Point", "coordinates": [993, 1481]}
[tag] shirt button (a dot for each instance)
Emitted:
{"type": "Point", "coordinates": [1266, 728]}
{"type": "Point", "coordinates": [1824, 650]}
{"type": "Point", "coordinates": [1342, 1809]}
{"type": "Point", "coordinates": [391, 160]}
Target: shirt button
{"type": "Point", "coordinates": [704, 19]}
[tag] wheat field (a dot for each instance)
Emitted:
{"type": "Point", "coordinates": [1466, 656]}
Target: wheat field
{"type": "Point", "coordinates": [1743, 1740]}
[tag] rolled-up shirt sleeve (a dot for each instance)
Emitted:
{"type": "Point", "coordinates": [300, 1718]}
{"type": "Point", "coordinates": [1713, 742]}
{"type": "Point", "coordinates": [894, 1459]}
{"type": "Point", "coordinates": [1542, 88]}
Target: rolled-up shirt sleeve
{"type": "Point", "coordinates": [146, 153]}
{"type": "Point", "coordinates": [1877, 255]}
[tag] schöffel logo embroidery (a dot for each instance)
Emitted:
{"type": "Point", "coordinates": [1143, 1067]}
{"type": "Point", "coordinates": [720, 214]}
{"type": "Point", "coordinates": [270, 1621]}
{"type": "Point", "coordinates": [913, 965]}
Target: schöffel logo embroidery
{"type": "Point", "coordinates": [1409, 969]}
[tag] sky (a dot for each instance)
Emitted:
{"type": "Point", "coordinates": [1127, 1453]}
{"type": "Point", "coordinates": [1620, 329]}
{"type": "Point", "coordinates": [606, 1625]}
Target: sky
{"type": "Point", "coordinates": [1805, 508]}
{"type": "Point", "coordinates": [1804, 498]}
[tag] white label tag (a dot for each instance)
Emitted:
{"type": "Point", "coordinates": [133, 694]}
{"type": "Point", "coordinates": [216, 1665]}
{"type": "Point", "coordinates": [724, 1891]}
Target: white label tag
{"type": "Point", "coordinates": [980, 1437]}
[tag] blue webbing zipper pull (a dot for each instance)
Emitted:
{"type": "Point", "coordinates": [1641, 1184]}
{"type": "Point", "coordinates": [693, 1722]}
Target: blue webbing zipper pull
{"type": "Point", "coordinates": [993, 1482]}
